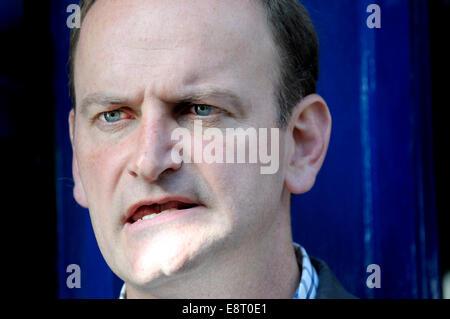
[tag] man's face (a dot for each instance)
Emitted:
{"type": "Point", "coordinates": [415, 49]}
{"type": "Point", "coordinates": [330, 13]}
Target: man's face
{"type": "Point", "coordinates": [143, 58]}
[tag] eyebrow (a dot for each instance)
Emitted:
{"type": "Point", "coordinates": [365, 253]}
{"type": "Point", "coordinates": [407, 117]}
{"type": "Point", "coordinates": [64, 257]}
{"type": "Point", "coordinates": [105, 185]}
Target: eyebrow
{"type": "Point", "coordinates": [213, 92]}
{"type": "Point", "coordinates": [104, 99]}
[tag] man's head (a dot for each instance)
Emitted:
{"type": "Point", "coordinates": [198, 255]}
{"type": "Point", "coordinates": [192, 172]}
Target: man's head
{"type": "Point", "coordinates": [143, 68]}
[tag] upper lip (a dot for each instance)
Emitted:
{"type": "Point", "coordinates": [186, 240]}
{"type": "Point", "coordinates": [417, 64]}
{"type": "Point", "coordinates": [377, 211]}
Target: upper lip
{"type": "Point", "coordinates": [133, 208]}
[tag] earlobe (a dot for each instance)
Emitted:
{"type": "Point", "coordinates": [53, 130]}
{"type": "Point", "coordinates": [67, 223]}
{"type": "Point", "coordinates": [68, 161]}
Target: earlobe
{"type": "Point", "coordinates": [308, 137]}
{"type": "Point", "coordinates": [78, 190]}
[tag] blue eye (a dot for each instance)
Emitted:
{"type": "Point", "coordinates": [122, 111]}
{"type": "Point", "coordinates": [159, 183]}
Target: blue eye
{"type": "Point", "coordinates": [111, 116]}
{"type": "Point", "coordinates": [202, 110]}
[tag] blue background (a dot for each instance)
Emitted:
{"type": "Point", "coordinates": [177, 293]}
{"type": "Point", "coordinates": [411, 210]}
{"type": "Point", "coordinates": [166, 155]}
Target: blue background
{"type": "Point", "coordinates": [374, 199]}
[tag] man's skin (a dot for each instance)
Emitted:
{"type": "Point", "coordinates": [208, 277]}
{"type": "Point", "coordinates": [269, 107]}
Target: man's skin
{"type": "Point", "coordinates": [143, 57]}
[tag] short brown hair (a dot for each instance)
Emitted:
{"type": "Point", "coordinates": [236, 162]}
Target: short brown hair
{"type": "Point", "coordinates": [295, 37]}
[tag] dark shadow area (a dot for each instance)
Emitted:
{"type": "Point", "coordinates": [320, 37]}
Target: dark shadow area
{"type": "Point", "coordinates": [12, 69]}
{"type": "Point", "coordinates": [439, 11]}
{"type": "Point", "coordinates": [27, 144]}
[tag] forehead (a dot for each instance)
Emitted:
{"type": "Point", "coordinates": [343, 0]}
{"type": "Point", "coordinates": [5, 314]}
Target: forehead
{"type": "Point", "coordinates": [165, 45]}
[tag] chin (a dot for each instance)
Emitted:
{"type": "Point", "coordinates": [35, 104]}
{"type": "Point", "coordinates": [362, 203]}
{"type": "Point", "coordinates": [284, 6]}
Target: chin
{"type": "Point", "coordinates": [156, 257]}
{"type": "Point", "coordinates": [152, 263]}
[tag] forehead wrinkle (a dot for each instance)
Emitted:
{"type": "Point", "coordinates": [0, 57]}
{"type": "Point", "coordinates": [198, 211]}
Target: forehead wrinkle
{"type": "Point", "coordinates": [102, 98]}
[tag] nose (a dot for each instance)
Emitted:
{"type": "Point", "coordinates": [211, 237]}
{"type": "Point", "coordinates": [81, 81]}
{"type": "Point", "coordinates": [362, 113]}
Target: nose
{"type": "Point", "coordinates": [153, 147]}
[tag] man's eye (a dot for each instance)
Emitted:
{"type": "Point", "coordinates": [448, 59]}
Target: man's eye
{"type": "Point", "coordinates": [202, 110]}
{"type": "Point", "coordinates": [112, 116]}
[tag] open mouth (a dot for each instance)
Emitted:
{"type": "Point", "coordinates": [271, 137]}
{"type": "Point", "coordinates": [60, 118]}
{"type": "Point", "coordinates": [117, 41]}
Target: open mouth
{"type": "Point", "coordinates": [151, 211]}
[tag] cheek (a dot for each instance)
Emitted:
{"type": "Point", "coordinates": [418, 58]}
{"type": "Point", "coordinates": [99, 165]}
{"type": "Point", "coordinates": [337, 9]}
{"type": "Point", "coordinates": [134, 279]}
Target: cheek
{"type": "Point", "coordinates": [246, 181]}
{"type": "Point", "coordinates": [95, 166]}
{"type": "Point", "coordinates": [99, 173]}
{"type": "Point", "coordinates": [241, 191]}
{"type": "Point", "coordinates": [248, 202]}
{"type": "Point", "coordinates": [246, 195]}
{"type": "Point", "coordinates": [100, 168]}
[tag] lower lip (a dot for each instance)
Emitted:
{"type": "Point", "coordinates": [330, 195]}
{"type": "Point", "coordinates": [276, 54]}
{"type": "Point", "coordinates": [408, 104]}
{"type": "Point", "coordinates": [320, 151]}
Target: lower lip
{"type": "Point", "coordinates": [160, 219]}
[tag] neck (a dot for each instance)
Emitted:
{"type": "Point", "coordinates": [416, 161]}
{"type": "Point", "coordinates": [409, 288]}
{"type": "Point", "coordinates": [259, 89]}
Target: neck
{"type": "Point", "coordinates": [263, 268]}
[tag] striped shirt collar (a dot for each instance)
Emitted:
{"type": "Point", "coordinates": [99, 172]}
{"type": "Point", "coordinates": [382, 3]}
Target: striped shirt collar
{"type": "Point", "coordinates": [309, 282]}
{"type": "Point", "coordinates": [307, 289]}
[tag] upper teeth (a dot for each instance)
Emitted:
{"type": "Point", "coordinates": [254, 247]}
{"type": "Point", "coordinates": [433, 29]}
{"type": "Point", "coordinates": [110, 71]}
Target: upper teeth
{"type": "Point", "coordinates": [154, 215]}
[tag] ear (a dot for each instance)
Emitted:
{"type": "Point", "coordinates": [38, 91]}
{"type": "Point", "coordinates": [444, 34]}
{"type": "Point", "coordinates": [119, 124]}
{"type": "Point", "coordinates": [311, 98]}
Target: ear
{"type": "Point", "coordinates": [78, 190]}
{"type": "Point", "coordinates": [308, 135]}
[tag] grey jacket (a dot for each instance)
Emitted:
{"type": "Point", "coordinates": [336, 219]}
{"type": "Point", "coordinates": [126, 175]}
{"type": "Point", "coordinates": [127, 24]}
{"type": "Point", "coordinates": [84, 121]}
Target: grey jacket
{"type": "Point", "coordinates": [329, 285]}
